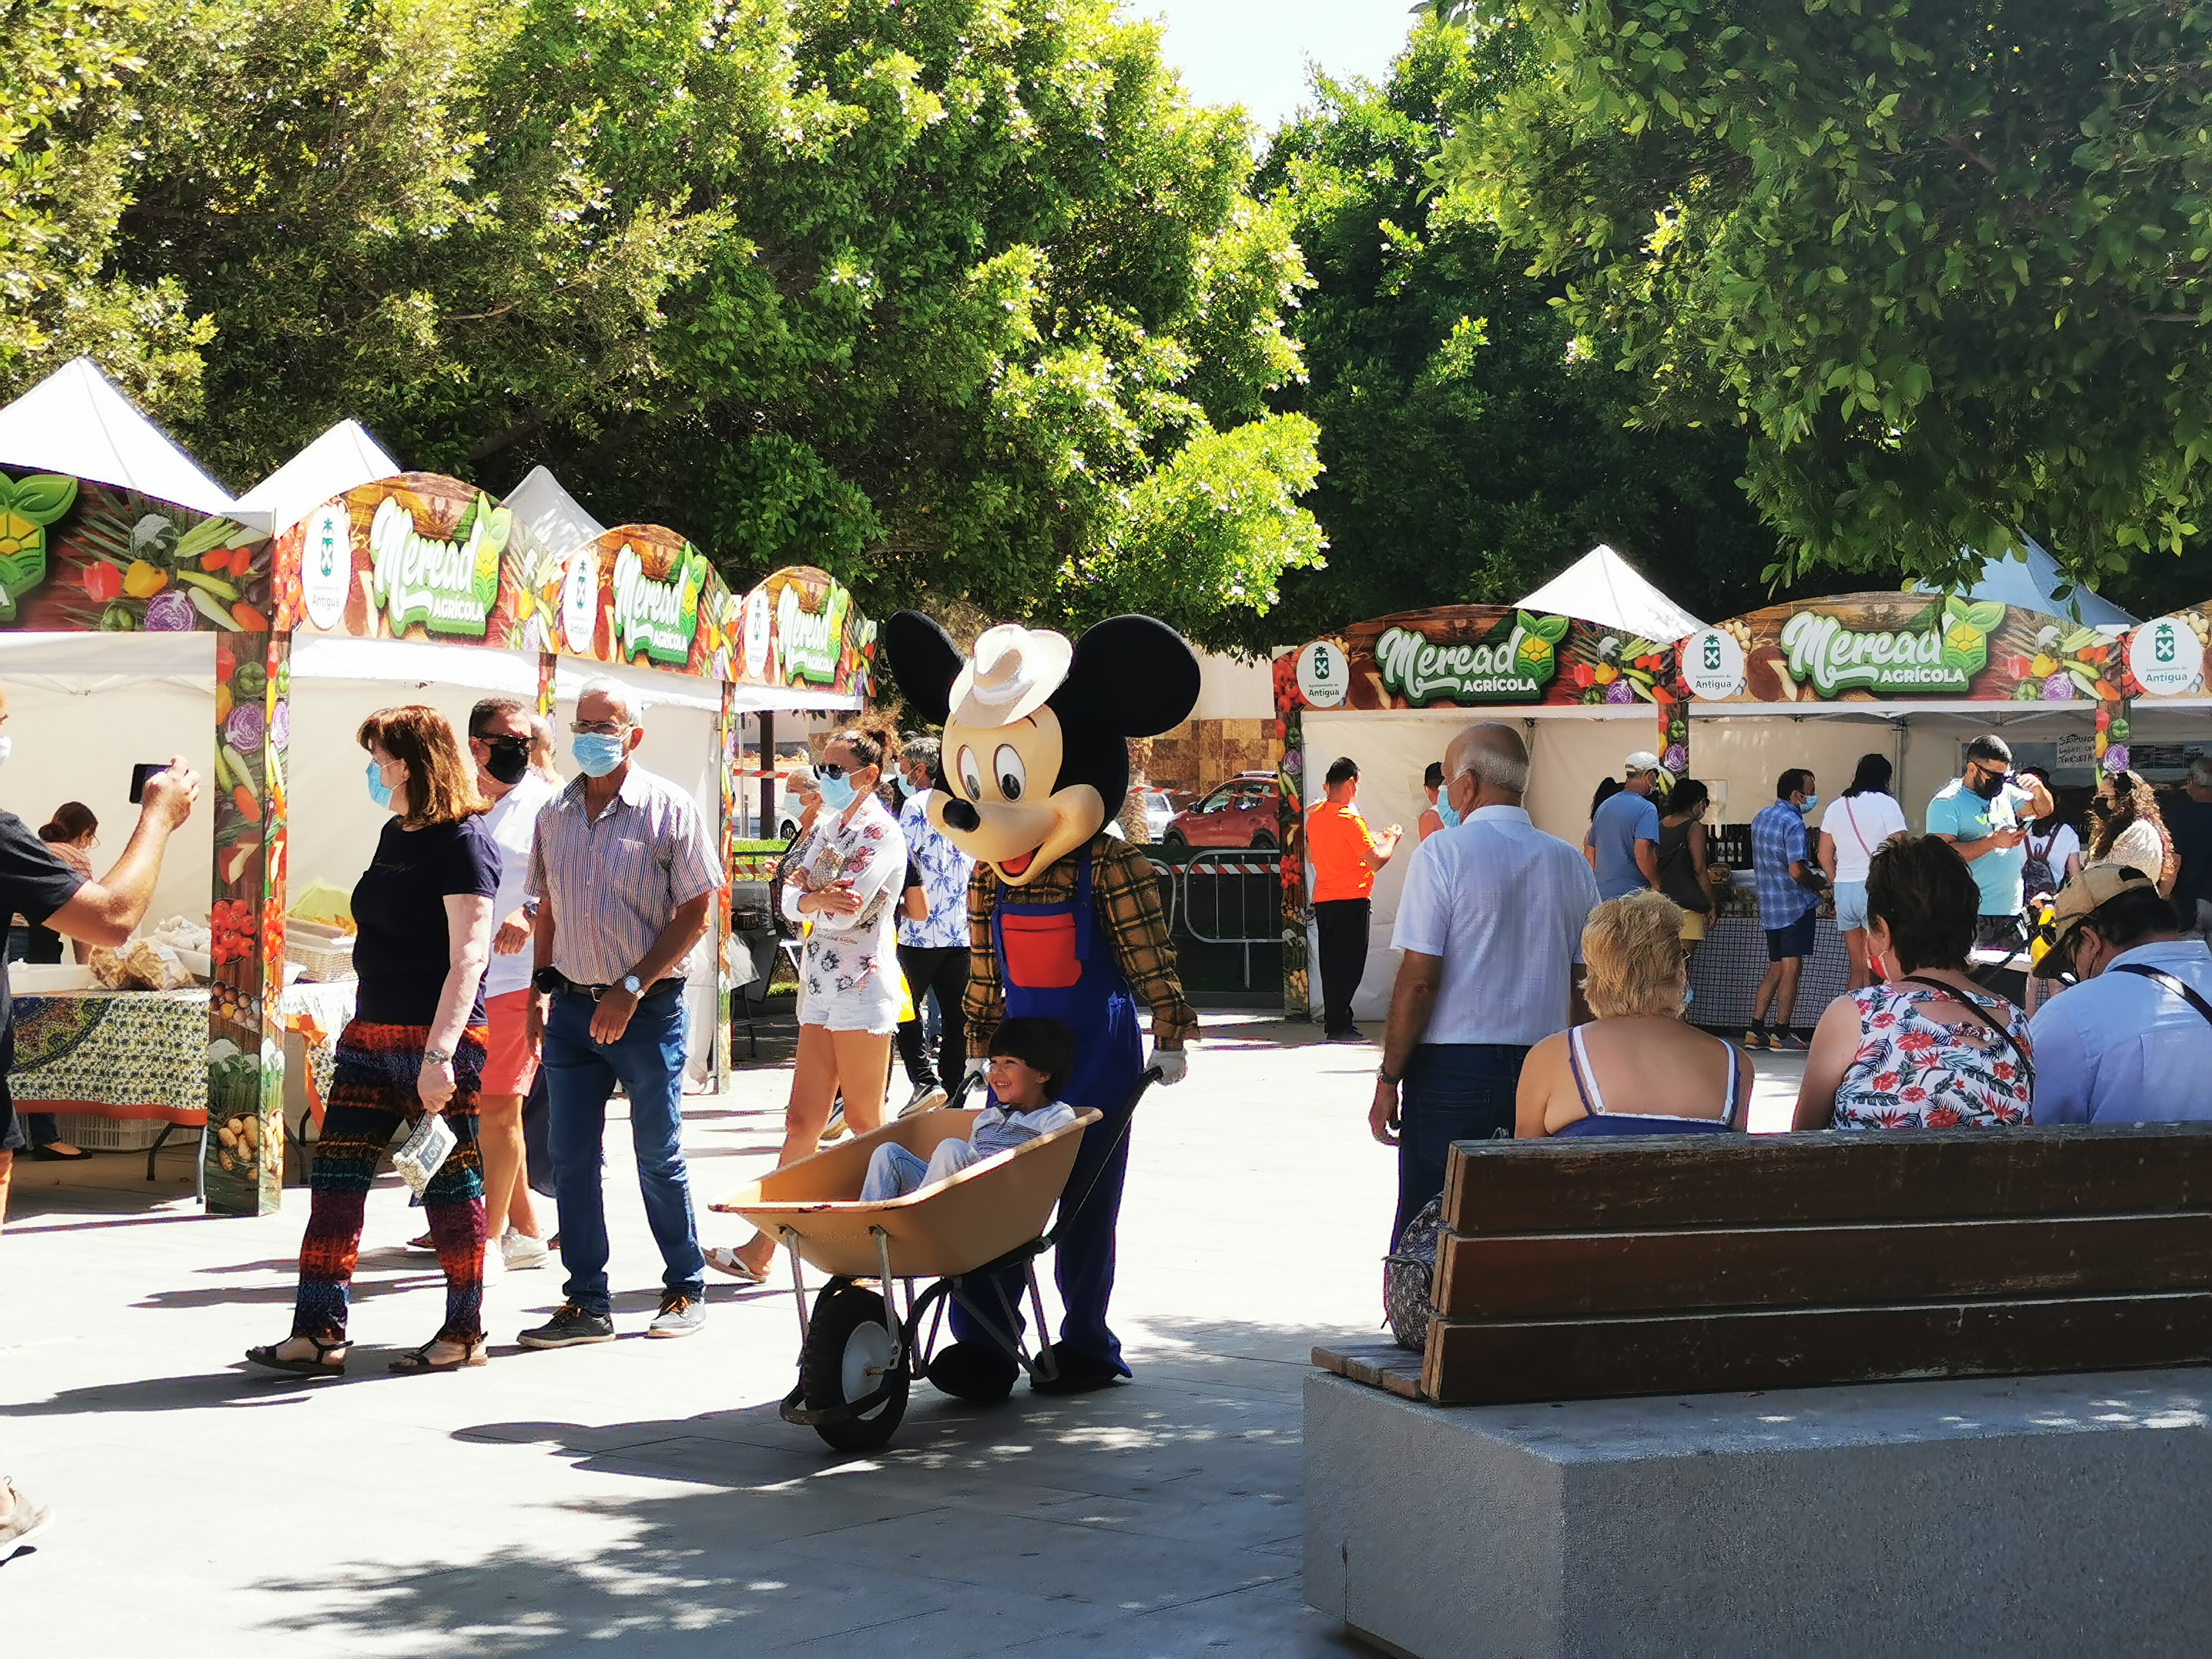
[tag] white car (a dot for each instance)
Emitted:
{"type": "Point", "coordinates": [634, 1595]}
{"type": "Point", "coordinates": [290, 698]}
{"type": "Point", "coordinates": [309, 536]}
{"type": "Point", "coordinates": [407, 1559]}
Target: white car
{"type": "Point", "coordinates": [1160, 809]}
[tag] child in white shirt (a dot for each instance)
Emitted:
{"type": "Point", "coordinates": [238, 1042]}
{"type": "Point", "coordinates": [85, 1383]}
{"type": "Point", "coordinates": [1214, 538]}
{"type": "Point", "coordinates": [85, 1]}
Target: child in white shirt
{"type": "Point", "coordinates": [1030, 1060]}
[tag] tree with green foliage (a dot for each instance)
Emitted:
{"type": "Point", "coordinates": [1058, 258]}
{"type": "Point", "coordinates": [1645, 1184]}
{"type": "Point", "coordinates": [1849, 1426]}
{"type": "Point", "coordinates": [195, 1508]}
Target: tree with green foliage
{"type": "Point", "coordinates": [1470, 453]}
{"type": "Point", "coordinates": [65, 167]}
{"type": "Point", "coordinates": [1948, 264]}
{"type": "Point", "coordinates": [963, 300]}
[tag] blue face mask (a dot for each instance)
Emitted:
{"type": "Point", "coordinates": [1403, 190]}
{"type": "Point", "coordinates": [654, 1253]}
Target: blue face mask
{"type": "Point", "coordinates": [596, 753]}
{"type": "Point", "coordinates": [1448, 813]}
{"type": "Point", "coordinates": [836, 792]}
{"type": "Point", "coordinates": [1811, 801]}
{"type": "Point", "coordinates": [379, 791]}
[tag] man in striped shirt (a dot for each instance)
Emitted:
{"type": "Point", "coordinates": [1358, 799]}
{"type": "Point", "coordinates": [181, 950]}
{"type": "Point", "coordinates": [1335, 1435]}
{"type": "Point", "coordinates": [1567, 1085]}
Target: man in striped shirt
{"type": "Point", "coordinates": [625, 874]}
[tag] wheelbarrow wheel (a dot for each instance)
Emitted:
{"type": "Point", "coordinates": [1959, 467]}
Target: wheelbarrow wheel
{"type": "Point", "coordinates": [850, 1343]}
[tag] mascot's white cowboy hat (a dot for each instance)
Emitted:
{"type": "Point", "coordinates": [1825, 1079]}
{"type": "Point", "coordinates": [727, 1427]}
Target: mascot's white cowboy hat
{"type": "Point", "coordinates": [1012, 672]}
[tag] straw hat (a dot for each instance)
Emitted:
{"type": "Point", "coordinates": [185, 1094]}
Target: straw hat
{"type": "Point", "coordinates": [1013, 671]}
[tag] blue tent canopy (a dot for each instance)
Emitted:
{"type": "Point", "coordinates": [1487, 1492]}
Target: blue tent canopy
{"type": "Point", "coordinates": [2031, 583]}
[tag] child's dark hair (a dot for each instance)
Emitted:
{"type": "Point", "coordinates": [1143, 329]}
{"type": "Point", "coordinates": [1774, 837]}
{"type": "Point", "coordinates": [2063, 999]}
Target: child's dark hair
{"type": "Point", "coordinates": [1042, 1045]}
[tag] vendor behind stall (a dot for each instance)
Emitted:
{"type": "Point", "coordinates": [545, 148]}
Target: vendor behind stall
{"type": "Point", "coordinates": [39, 887]}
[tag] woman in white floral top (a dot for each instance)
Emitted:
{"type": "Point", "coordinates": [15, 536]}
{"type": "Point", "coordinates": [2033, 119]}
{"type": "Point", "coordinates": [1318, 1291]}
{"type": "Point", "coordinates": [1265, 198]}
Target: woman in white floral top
{"type": "Point", "coordinates": [846, 882]}
{"type": "Point", "coordinates": [1923, 1046]}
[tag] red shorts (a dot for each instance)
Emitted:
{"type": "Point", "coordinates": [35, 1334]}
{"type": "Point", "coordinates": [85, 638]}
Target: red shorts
{"type": "Point", "coordinates": [510, 1058]}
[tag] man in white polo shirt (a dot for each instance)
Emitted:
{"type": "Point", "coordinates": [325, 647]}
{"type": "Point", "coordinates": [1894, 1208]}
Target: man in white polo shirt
{"type": "Point", "coordinates": [1490, 924]}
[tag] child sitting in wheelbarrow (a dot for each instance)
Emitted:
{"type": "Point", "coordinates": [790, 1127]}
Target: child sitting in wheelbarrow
{"type": "Point", "coordinates": [1030, 1060]}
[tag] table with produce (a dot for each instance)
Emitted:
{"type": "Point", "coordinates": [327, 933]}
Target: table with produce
{"type": "Point", "coordinates": [126, 1035]}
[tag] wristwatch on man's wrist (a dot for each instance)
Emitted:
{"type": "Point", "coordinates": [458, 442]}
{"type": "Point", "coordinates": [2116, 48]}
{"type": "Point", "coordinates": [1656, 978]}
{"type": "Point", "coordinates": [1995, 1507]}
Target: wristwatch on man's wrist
{"type": "Point", "coordinates": [629, 983]}
{"type": "Point", "coordinates": [1382, 1075]}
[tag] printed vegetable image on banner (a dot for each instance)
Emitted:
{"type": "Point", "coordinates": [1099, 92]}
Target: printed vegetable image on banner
{"type": "Point", "coordinates": [1887, 647]}
{"type": "Point", "coordinates": [80, 557]}
{"type": "Point", "coordinates": [1476, 656]}
{"type": "Point", "coordinates": [421, 556]}
{"type": "Point", "coordinates": [642, 594]}
{"type": "Point", "coordinates": [246, 1041]}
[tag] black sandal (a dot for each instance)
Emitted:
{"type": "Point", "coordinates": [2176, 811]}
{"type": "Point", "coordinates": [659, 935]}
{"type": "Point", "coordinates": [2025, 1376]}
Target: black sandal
{"type": "Point", "coordinates": [475, 1352]}
{"type": "Point", "coordinates": [319, 1366]}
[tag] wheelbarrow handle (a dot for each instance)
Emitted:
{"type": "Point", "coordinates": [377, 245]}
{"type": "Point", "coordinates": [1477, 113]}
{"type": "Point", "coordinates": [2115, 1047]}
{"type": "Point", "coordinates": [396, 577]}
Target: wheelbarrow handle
{"type": "Point", "coordinates": [1146, 1078]}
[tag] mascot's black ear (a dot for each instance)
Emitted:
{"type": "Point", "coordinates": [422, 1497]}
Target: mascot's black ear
{"type": "Point", "coordinates": [1134, 675]}
{"type": "Point", "coordinates": [924, 661]}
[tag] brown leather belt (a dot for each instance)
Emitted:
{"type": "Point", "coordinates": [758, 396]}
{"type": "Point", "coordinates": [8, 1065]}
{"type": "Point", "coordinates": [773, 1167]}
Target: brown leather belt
{"type": "Point", "coordinates": [674, 982]}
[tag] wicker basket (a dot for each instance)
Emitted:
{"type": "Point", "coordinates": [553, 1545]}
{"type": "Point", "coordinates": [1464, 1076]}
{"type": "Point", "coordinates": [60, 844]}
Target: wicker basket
{"type": "Point", "coordinates": [322, 953]}
{"type": "Point", "coordinates": [115, 1134]}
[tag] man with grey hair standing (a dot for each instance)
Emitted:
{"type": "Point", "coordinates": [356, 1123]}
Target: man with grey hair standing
{"type": "Point", "coordinates": [625, 874]}
{"type": "Point", "coordinates": [2189, 822]}
{"type": "Point", "coordinates": [1490, 924]}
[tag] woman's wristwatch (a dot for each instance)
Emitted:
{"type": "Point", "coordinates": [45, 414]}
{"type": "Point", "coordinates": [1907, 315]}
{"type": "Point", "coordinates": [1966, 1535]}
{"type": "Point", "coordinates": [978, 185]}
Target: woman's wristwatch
{"type": "Point", "coordinates": [436, 1057]}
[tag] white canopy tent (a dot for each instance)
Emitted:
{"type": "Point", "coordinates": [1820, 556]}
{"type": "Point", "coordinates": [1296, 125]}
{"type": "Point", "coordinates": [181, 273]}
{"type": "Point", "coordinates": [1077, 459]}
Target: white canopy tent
{"type": "Point", "coordinates": [550, 512]}
{"type": "Point", "coordinates": [1602, 586]}
{"type": "Point", "coordinates": [342, 458]}
{"type": "Point", "coordinates": [75, 421]}
{"type": "Point", "coordinates": [2031, 580]}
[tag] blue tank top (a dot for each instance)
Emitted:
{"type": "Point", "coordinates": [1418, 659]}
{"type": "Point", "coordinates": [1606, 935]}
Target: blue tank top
{"type": "Point", "coordinates": [1599, 1122]}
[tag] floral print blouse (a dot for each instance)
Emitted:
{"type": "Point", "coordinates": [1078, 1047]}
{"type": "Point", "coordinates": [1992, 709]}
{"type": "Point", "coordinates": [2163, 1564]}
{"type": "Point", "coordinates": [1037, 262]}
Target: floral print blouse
{"type": "Point", "coordinates": [1915, 1072]}
{"type": "Point", "coordinates": [870, 851]}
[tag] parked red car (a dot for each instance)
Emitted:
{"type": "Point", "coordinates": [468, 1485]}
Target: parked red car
{"type": "Point", "coordinates": [1245, 812]}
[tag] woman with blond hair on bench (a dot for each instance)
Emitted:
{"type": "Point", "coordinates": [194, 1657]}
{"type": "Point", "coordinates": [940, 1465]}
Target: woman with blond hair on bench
{"type": "Point", "coordinates": [1640, 1068]}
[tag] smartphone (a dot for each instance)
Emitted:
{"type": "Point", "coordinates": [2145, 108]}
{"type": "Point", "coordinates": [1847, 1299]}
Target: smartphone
{"type": "Point", "coordinates": [139, 773]}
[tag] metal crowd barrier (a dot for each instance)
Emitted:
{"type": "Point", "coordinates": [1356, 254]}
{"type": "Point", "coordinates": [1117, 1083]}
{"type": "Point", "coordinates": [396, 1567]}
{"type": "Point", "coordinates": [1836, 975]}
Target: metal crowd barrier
{"type": "Point", "coordinates": [1226, 895]}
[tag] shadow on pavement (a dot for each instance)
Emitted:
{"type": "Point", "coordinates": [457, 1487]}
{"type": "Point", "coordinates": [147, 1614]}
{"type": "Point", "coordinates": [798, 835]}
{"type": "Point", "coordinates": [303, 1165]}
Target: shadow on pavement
{"type": "Point", "coordinates": [1158, 1517]}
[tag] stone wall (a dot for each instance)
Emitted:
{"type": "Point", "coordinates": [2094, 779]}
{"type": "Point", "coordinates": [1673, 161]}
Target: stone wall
{"type": "Point", "coordinates": [1199, 755]}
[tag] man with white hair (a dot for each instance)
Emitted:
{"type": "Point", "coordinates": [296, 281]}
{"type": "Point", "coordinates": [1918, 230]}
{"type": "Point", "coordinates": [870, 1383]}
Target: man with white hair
{"type": "Point", "coordinates": [1491, 927]}
{"type": "Point", "coordinates": [2189, 822]}
{"type": "Point", "coordinates": [625, 874]}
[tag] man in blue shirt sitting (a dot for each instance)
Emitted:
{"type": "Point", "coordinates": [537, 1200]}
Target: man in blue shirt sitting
{"type": "Point", "coordinates": [1789, 884]}
{"type": "Point", "coordinates": [2132, 1042]}
{"type": "Point", "coordinates": [1624, 835]}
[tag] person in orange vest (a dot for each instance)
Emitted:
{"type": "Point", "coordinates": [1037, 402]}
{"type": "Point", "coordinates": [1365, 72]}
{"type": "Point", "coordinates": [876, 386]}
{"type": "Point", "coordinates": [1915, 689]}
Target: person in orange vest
{"type": "Point", "coordinates": [1344, 857]}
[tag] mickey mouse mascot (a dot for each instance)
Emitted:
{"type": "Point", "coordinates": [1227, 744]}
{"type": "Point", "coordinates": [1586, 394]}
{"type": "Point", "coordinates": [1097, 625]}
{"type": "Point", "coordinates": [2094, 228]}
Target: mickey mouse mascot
{"type": "Point", "coordinates": [1064, 920]}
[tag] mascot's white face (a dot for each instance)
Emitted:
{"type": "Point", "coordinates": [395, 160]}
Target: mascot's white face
{"type": "Point", "coordinates": [1003, 809]}
{"type": "Point", "coordinates": [1035, 756]}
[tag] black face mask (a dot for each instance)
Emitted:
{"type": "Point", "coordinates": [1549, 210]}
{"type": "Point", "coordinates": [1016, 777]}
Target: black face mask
{"type": "Point", "coordinates": [510, 759]}
{"type": "Point", "coordinates": [1989, 789]}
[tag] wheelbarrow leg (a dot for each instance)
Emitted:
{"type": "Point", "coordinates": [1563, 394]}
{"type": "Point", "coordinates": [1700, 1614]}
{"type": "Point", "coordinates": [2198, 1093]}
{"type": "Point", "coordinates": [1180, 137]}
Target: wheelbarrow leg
{"type": "Point", "coordinates": [797, 1282]}
{"type": "Point", "coordinates": [1046, 1365]}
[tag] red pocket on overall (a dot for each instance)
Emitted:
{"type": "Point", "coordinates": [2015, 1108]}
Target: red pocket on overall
{"type": "Point", "coordinates": [1040, 950]}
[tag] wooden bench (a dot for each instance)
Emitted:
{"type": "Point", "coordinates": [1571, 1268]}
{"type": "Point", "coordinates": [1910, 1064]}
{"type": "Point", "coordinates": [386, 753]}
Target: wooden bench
{"type": "Point", "coordinates": [1582, 1269]}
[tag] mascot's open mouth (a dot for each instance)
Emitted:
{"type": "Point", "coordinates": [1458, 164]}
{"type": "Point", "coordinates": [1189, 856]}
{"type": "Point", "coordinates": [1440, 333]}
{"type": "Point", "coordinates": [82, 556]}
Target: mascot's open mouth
{"type": "Point", "coordinates": [1020, 866]}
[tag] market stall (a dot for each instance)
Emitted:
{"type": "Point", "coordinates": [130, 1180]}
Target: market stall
{"type": "Point", "coordinates": [126, 614]}
{"type": "Point", "coordinates": [1814, 683]}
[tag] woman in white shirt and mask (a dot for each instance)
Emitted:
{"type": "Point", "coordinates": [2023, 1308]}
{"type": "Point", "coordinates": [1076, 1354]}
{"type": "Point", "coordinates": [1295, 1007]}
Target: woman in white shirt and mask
{"type": "Point", "coordinates": [1853, 829]}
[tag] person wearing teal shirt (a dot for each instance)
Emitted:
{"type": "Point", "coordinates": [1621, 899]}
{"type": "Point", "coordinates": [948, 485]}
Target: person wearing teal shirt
{"type": "Point", "coordinates": [1978, 813]}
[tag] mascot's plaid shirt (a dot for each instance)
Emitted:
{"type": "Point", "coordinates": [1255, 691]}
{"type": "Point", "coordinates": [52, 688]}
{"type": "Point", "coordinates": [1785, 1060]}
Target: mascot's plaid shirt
{"type": "Point", "coordinates": [1127, 896]}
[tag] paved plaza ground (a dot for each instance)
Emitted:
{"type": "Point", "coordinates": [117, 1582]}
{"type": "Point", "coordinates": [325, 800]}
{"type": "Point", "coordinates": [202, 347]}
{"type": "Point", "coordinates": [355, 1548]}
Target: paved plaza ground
{"type": "Point", "coordinates": [648, 1491]}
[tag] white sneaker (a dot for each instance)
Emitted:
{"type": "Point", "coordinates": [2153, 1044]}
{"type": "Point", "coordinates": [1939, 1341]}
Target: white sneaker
{"type": "Point", "coordinates": [519, 1250]}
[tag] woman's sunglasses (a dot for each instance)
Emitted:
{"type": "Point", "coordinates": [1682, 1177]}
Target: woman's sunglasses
{"type": "Point", "coordinates": [834, 772]}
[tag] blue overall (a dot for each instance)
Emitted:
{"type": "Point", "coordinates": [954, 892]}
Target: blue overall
{"type": "Point", "coordinates": [1056, 962]}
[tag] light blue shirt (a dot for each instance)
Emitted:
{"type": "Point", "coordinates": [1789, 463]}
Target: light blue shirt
{"type": "Point", "coordinates": [1959, 812]}
{"type": "Point", "coordinates": [1503, 904]}
{"type": "Point", "coordinates": [1624, 819]}
{"type": "Point", "coordinates": [2121, 1048]}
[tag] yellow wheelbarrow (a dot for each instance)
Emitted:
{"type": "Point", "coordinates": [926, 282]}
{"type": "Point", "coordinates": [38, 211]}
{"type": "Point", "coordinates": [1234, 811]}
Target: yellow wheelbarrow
{"type": "Point", "coordinates": [858, 1356]}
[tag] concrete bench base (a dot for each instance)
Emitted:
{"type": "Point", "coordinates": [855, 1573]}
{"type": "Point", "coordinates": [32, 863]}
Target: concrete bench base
{"type": "Point", "coordinates": [2020, 1515]}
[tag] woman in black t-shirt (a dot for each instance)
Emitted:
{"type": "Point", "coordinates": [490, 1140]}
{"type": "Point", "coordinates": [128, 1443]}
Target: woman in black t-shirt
{"type": "Point", "coordinates": [416, 1043]}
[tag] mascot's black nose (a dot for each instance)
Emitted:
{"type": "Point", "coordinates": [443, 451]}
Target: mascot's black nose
{"type": "Point", "coordinates": [962, 815]}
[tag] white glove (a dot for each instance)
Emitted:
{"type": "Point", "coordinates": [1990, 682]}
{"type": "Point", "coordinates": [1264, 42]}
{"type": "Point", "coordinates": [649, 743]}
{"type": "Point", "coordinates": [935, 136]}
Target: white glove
{"type": "Point", "coordinates": [979, 1072]}
{"type": "Point", "coordinates": [1171, 1065]}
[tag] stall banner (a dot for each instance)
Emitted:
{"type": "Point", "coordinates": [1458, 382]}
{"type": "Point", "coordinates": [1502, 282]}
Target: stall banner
{"type": "Point", "coordinates": [800, 629]}
{"type": "Point", "coordinates": [642, 595]}
{"type": "Point", "coordinates": [1893, 647]}
{"type": "Point", "coordinates": [1475, 656]}
{"type": "Point", "coordinates": [2164, 656]}
{"type": "Point", "coordinates": [78, 556]}
{"type": "Point", "coordinates": [246, 1036]}
{"type": "Point", "coordinates": [421, 556]}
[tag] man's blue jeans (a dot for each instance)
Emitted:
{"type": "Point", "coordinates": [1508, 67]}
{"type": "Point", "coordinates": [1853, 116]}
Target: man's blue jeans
{"type": "Point", "coordinates": [579, 1074]}
{"type": "Point", "coordinates": [1451, 1091]}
